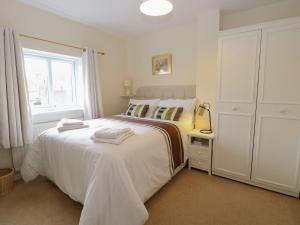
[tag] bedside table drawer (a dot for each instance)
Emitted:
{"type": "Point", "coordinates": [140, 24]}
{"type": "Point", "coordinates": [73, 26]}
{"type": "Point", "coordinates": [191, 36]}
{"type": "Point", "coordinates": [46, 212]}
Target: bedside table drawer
{"type": "Point", "coordinates": [198, 153]}
{"type": "Point", "coordinates": [199, 164]}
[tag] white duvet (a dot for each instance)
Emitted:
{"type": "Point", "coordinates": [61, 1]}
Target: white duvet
{"type": "Point", "coordinates": [111, 181]}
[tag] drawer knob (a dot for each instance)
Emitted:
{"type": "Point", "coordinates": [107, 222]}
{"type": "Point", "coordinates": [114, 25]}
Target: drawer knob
{"type": "Point", "coordinates": [234, 108]}
{"type": "Point", "coordinates": [283, 111]}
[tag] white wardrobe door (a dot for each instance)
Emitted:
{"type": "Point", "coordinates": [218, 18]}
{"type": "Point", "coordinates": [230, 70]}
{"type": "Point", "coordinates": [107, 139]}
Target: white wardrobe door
{"type": "Point", "coordinates": [233, 145]}
{"type": "Point", "coordinates": [238, 67]}
{"type": "Point", "coordinates": [236, 104]}
{"type": "Point", "coordinates": [277, 136]}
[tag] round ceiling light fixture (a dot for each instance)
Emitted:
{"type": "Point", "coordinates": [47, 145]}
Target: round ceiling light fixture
{"type": "Point", "coordinates": [156, 7]}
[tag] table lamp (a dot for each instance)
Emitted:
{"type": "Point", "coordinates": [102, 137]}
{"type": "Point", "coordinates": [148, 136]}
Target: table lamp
{"type": "Point", "coordinates": [127, 84]}
{"type": "Point", "coordinates": [201, 109]}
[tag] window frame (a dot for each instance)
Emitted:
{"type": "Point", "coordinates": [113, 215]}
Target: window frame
{"type": "Point", "coordinates": [50, 58]}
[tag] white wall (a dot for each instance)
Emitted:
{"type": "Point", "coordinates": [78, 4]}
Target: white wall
{"type": "Point", "coordinates": [5, 158]}
{"type": "Point", "coordinates": [208, 25]}
{"type": "Point", "coordinates": [35, 22]}
{"type": "Point", "coordinates": [280, 10]}
{"type": "Point", "coordinates": [179, 41]}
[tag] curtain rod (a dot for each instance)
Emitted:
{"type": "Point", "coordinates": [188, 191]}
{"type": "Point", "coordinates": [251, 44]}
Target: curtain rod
{"type": "Point", "coordinates": [57, 43]}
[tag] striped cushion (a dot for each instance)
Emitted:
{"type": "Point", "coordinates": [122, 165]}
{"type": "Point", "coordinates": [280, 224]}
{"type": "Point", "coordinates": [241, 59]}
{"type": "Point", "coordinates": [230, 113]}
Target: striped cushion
{"type": "Point", "coordinates": [136, 110]}
{"type": "Point", "coordinates": [167, 113]}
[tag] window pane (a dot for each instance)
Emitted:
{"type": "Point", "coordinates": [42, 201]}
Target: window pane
{"type": "Point", "coordinates": [51, 80]}
{"type": "Point", "coordinates": [37, 78]}
{"type": "Point", "coordinates": [62, 82]}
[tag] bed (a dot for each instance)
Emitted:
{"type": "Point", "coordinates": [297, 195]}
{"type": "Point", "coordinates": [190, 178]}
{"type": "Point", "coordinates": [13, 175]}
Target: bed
{"type": "Point", "coordinates": [113, 181]}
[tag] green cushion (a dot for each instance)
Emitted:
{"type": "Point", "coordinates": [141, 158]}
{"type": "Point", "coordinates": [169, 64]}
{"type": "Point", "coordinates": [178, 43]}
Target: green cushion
{"type": "Point", "coordinates": [137, 110]}
{"type": "Point", "coordinates": [167, 113]}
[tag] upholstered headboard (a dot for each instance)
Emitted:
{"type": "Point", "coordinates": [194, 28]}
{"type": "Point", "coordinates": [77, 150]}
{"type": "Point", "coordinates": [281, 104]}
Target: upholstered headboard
{"type": "Point", "coordinates": [164, 92]}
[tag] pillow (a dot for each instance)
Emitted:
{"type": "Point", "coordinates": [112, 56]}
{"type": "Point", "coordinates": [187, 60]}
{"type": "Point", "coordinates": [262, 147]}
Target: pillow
{"type": "Point", "coordinates": [167, 113]}
{"type": "Point", "coordinates": [188, 105]}
{"type": "Point", "coordinates": [153, 103]}
{"type": "Point", "coordinates": [137, 110]}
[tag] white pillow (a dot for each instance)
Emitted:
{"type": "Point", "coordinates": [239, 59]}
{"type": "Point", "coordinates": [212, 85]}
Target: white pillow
{"type": "Point", "coordinates": [188, 106]}
{"type": "Point", "coordinates": [153, 103]}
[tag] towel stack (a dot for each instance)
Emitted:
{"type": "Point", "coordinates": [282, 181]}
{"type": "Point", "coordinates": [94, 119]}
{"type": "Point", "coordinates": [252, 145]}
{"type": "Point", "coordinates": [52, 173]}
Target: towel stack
{"type": "Point", "coordinates": [70, 124]}
{"type": "Point", "coordinates": [112, 135]}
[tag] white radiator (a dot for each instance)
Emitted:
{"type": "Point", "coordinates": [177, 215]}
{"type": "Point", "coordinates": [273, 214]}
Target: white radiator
{"type": "Point", "coordinates": [44, 121]}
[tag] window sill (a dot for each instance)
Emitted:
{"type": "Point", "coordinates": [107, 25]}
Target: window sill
{"type": "Point", "coordinates": [56, 115]}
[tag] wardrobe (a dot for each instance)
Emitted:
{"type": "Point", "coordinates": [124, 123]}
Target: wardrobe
{"type": "Point", "coordinates": [257, 124]}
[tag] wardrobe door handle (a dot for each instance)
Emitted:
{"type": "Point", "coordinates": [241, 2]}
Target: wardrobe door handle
{"type": "Point", "coordinates": [234, 108]}
{"type": "Point", "coordinates": [283, 111]}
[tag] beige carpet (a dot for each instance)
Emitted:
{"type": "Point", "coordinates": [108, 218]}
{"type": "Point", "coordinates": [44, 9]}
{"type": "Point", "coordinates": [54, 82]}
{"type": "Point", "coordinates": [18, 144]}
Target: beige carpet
{"type": "Point", "coordinates": [191, 198]}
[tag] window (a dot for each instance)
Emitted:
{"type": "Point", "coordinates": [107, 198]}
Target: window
{"type": "Point", "coordinates": [54, 81]}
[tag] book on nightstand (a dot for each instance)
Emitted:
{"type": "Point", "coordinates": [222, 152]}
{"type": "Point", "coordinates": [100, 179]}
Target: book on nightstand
{"type": "Point", "coordinates": [199, 141]}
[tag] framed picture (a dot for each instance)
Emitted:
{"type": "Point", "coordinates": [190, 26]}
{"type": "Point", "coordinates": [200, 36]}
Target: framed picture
{"type": "Point", "coordinates": [162, 64]}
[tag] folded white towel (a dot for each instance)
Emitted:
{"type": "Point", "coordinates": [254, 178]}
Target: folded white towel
{"type": "Point", "coordinates": [115, 141]}
{"type": "Point", "coordinates": [61, 128]}
{"type": "Point", "coordinates": [107, 132]}
{"type": "Point", "coordinates": [71, 122]}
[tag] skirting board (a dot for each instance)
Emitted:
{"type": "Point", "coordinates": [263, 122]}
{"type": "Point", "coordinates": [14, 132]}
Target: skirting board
{"type": "Point", "coordinates": [297, 195]}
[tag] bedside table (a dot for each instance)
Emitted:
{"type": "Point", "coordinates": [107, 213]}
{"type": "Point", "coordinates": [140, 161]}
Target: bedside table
{"type": "Point", "coordinates": [200, 150]}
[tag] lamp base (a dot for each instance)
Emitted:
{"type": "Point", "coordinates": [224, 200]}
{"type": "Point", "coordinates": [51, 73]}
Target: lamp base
{"type": "Point", "coordinates": [127, 91]}
{"type": "Point", "coordinates": [206, 131]}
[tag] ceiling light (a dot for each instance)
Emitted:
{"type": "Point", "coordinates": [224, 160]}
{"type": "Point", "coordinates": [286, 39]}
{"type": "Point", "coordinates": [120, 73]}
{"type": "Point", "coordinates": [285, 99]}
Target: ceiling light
{"type": "Point", "coordinates": [156, 7]}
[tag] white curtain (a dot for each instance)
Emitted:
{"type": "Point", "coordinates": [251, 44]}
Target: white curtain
{"type": "Point", "coordinates": [92, 90]}
{"type": "Point", "coordinates": [15, 115]}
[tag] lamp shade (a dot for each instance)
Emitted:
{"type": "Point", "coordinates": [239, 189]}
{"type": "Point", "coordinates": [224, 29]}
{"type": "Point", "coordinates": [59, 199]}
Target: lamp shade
{"type": "Point", "coordinates": [201, 110]}
{"type": "Point", "coordinates": [127, 83]}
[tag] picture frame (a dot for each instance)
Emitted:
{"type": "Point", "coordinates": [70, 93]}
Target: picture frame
{"type": "Point", "coordinates": [162, 64]}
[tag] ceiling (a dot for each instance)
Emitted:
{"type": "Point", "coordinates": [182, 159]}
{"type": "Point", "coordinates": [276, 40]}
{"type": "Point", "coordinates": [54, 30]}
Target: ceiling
{"type": "Point", "coordinates": [123, 17]}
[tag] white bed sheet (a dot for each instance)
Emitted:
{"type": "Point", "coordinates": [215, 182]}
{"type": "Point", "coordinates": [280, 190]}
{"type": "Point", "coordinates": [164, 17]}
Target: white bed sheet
{"type": "Point", "coordinates": [111, 181]}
